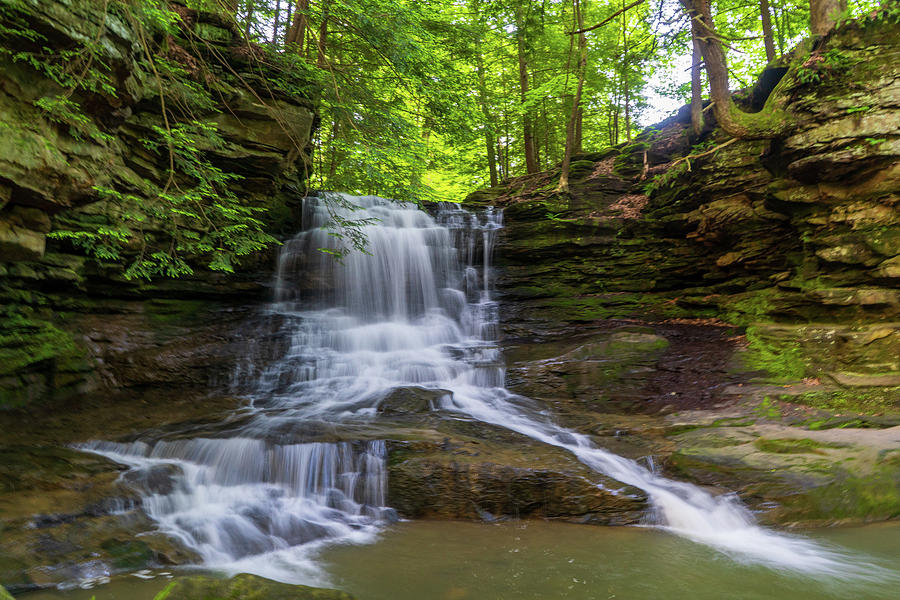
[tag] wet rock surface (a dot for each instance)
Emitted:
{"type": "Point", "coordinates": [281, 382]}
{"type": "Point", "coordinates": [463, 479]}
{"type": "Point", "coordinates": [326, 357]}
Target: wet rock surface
{"type": "Point", "coordinates": [766, 265]}
{"type": "Point", "coordinates": [68, 516]}
{"type": "Point", "coordinates": [471, 470]}
{"type": "Point", "coordinates": [248, 587]}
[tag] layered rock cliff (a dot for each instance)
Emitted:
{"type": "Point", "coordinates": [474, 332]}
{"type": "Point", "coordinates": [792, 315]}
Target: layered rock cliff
{"type": "Point", "coordinates": [71, 149]}
{"type": "Point", "coordinates": [795, 238]}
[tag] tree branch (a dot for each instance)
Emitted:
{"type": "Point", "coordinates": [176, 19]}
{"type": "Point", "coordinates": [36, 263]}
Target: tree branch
{"type": "Point", "coordinates": [607, 19]}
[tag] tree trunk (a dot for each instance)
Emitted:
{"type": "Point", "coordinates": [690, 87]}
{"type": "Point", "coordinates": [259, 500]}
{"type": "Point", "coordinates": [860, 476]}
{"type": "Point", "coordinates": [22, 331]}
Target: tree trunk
{"type": "Point", "coordinates": [505, 145]}
{"type": "Point", "coordinates": [626, 90]}
{"type": "Point", "coordinates": [297, 32]}
{"type": "Point", "coordinates": [823, 14]}
{"type": "Point", "coordinates": [576, 103]}
{"type": "Point", "coordinates": [781, 28]}
{"type": "Point", "coordinates": [527, 130]}
{"type": "Point", "coordinates": [768, 38]}
{"type": "Point", "coordinates": [615, 126]}
{"type": "Point", "coordinates": [696, 84]}
{"type": "Point", "coordinates": [579, 131]}
{"type": "Point", "coordinates": [249, 24]}
{"type": "Point", "coordinates": [277, 22]}
{"type": "Point", "coordinates": [485, 111]}
{"type": "Point", "coordinates": [535, 128]}
{"type": "Point", "coordinates": [770, 122]}
{"type": "Point", "coordinates": [322, 42]}
{"type": "Point", "coordinates": [333, 162]}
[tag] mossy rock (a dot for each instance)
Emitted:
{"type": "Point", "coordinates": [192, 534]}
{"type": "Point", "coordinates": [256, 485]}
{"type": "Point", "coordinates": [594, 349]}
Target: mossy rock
{"type": "Point", "coordinates": [793, 445]}
{"type": "Point", "coordinates": [247, 587]}
{"type": "Point", "coordinates": [579, 169]}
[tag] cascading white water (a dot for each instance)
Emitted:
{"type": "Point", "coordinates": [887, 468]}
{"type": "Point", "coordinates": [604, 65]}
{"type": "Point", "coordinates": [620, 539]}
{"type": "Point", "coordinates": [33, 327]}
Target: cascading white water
{"type": "Point", "coordinates": [416, 311]}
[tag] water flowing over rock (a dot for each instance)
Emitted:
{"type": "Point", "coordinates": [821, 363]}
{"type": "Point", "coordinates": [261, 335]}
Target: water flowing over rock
{"type": "Point", "coordinates": [418, 312]}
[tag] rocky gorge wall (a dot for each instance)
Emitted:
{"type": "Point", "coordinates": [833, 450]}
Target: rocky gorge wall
{"type": "Point", "coordinates": [72, 323]}
{"type": "Point", "coordinates": [796, 239]}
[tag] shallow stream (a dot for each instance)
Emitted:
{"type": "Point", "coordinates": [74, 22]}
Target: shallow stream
{"type": "Point", "coordinates": [437, 560]}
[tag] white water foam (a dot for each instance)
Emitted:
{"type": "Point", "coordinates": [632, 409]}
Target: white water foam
{"type": "Point", "coordinates": [416, 311]}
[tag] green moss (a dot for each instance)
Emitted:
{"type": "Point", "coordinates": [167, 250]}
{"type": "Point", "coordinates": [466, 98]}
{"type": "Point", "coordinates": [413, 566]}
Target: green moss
{"type": "Point", "coordinates": [782, 361]}
{"type": "Point", "coordinates": [36, 358]}
{"type": "Point", "coordinates": [876, 496]}
{"type": "Point", "coordinates": [793, 445]}
{"type": "Point", "coordinates": [768, 409]}
{"type": "Point", "coordinates": [172, 312]}
{"type": "Point", "coordinates": [865, 401]}
{"type": "Point", "coordinates": [752, 307]}
{"type": "Point", "coordinates": [733, 422]}
{"type": "Point", "coordinates": [128, 555]}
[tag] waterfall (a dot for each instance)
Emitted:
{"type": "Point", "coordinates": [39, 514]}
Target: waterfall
{"type": "Point", "coordinates": [416, 310]}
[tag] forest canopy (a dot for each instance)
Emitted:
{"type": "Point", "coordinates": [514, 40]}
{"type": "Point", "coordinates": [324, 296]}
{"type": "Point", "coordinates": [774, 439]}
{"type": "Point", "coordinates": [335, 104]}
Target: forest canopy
{"type": "Point", "coordinates": [429, 99]}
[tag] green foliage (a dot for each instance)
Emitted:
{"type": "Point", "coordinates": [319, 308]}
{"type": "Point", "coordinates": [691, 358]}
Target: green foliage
{"type": "Point", "coordinates": [165, 592]}
{"type": "Point", "coordinates": [665, 178]}
{"type": "Point", "coordinates": [64, 111]}
{"type": "Point", "coordinates": [821, 67]}
{"type": "Point", "coordinates": [197, 209]}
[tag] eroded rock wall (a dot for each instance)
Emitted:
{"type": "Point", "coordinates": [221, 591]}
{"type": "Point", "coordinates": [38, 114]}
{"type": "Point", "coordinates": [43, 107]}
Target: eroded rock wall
{"type": "Point", "coordinates": [69, 323]}
{"type": "Point", "coordinates": [795, 238]}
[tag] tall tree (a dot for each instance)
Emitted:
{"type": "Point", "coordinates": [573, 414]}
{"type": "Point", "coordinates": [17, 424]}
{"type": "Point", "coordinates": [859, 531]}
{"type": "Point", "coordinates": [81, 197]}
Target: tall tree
{"type": "Point", "coordinates": [696, 83]}
{"type": "Point", "coordinates": [297, 32]}
{"type": "Point", "coordinates": [768, 38]}
{"type": "Point", "coordinates": [769, 123]}
{"type": "Point", "coordinates": [531, 164]}
{"type": "Point", "coordinates": [576, 103]}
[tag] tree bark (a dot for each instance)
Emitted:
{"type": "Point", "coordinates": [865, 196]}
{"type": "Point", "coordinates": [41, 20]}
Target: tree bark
{"type": "Point", "coordinates": [576, 103]}
{"type": "Point", "coordinates": [249, 24]}
{"type": "Point", "coordinates": [579, 131]}
{"type": "Point", "coordinates": [768, 38]}
{"type": "Point", "coordinates": [322, 42]}
{"type": "Point", "coordinates": [527, 129]}
{"type": "Point", "coordinates": [277, 22]}
{"type": "Point", "coordinates": [823, 14]}
{"type": "Point", "coordinates": [297, 32]}
{"type": "Point", "coordinates": [485, 111]}
{"type": "Point", "coordinates": [696, 84]}
{"type": "Point", "coordinates": [625, 87]}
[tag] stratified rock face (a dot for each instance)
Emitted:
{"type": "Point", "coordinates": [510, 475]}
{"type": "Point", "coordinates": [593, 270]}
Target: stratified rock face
{"type": "Point", "coordinates": [813, 477]}
{"type": "Point", "coordinates": [70, 324]}
{"type": "Point", "coordinates": [797, 236]}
